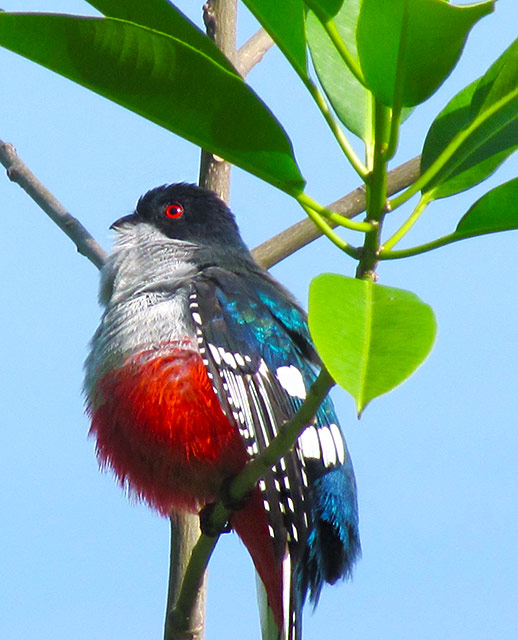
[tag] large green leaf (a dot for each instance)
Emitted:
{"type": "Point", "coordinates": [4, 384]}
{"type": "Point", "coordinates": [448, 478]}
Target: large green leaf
{"type": "Point", "coordinates": [164, 80]}
{"type": "Point", "coordinates": [496, 211]}
{"type": "Point", "coordinates": [350, 99]}
{"type": "Point", "coordinates": [407, 48]}
{"type": "Point", "coordinates": [161, 15]}
{"type": "Point", "coordinates": [476, 131]}
{"type": "Point", "coordinates": [284, 21]}
{"type": "Point", "coordinates": [370, 337]}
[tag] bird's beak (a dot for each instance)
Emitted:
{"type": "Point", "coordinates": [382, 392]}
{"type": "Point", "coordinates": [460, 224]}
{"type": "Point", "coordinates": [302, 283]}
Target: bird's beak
{"type": "Point", "coordinates": [131, 219]}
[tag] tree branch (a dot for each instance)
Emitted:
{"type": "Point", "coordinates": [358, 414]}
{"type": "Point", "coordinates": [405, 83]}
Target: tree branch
{"type": "Point", "coordinates": [302, 233]}
{"type": "Point", "coordinates": [267, 254]}
{"type": "Point", "coordinates": [240, 487]}
{"type": "Point", "coordinates": [220, 17]}
{"type": "Point", "coordinates": [185, 615]}
{"type": "Point", "coordinates": [185, 532]}
{"type": "Point", "coordinates": [18, 172]}
{"type": "Point", "coordinates": [253, 51]}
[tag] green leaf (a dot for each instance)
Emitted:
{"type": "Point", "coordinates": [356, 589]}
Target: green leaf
{"type": "Point", "coordinates": [476, 131]}
{"type": "Point", "coordinates": [161, 15]}
{"type": "Point", "coordinates": [284, 21]}
{"type": "Point", "coordinates": [325, 9]}
{"type": "Point", "coordinates": [370, 337]}
{"type": "Point", "coordinates": [496, 211]}
{"type": "Point", "coordinates": [352, 102]}
{"type": "Point", "coordinates": [407, 48]}
{"type": "Point", "coordinates": [164, 80]}
{"type": "Point", "coordinates": [349, 98]}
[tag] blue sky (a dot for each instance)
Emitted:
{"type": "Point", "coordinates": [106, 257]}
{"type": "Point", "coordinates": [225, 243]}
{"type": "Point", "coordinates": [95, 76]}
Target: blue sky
{"type": "Point", "coordinates": [435, 460]}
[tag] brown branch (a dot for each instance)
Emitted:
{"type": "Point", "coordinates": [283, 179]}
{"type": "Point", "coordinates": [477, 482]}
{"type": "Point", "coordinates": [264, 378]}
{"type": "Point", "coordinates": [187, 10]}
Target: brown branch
{"type": "Point", "coordinates": [185, 613]}
{"type": "Point", "coordinates": [253, 51]}
{"type": "Point", "coordinates": [220, 18]}
{"type": "Point", "coordinates": [302, 233]}
{"type": "Point", "coordinates": [18, 172]}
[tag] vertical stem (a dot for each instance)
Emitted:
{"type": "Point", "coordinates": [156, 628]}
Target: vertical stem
{"type": "Point", "coordinates": [185, 531]}
{"type": "Point", "coordinates": [376, 186]}
{"type": "Point", "coordinates": [220, 17]}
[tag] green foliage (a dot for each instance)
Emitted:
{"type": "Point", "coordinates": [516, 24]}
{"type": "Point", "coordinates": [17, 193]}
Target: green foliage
{"type": "Point", "coordinates": [284, 21]}
{"type": "Point", "coordinates": [373, 58]}
{"type": "Point", "coordinates": [418, 42]}
{"type": "Point", "coordinates": [497, 210]}
{"type": "Point", "coordinates": [350, 98]}
{"type": "Point", "coordinates": [165, 80]}
{"type": "Point", "coordinates": [371, 337]}
{"type": "Point", "coordinates": [162, 16]}
{"type": "Point", "coordinates": [476, 131]}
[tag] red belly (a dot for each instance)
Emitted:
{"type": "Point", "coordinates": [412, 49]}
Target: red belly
{"type": "Point", "coordinates": [160, 428]}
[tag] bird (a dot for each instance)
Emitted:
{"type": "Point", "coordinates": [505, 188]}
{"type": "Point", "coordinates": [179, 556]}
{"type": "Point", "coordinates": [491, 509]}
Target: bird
{"type": "Point", "coordinates": [200, 358]}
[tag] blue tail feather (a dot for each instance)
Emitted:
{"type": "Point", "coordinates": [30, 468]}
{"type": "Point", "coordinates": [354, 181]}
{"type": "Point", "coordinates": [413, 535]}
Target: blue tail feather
{"type": "Point", "coordinates": [333, 544]}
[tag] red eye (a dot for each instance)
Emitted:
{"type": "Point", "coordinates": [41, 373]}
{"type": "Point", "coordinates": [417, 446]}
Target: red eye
{"type": "Point", "coordinates": [174, 210]}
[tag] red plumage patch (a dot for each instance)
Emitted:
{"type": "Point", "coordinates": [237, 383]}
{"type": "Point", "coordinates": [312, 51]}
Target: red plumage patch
{"type": "Point", "coordinates": [251, 525]}
{"type": "Point", "coordinates": [160, 428]}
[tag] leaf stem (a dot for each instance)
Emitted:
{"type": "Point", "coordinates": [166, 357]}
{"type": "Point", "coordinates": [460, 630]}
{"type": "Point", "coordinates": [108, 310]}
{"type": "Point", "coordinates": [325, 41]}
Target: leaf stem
{"type": "Point", "coordinates": [424, 248]}
{"type": "Point", "coordinates": [306, 201]}
{"type": "Point", "coordinates": [376, 194]}
{"type": "Point", "coordinates": [303, 232]}
{"type": "Point", "coordinates": [395, 121]}
{"type": "Point", "coordinates": [337, 131]}
{"type": "Point", "coordinates": [326, 230]}
{"type": "Point", "coordinates": [408, 224]}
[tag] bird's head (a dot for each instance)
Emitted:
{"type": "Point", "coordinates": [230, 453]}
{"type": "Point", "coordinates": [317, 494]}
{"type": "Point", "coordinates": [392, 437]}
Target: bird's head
{"type": "Point", "coordinates": [185, 212]}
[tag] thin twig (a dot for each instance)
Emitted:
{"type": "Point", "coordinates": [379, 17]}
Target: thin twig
{"type": "Point", "coordinates": [241, 486]}
{"type": "Point", "coordinates": [284, 441]}
{"type": "Point", "coordinates": [18, 172]}
{"type": "Point", "coordinates": [302, 233]}
{"type": "Point", "coordinates": [253, 51]}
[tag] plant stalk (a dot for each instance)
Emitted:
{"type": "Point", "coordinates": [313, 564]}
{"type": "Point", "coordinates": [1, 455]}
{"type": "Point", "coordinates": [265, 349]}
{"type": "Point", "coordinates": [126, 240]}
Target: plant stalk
{"type": "Point", "coordinates": [376, 194]}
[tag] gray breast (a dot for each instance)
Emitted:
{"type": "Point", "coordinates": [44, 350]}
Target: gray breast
{"type": "Point", "coordinates": [144, 288]}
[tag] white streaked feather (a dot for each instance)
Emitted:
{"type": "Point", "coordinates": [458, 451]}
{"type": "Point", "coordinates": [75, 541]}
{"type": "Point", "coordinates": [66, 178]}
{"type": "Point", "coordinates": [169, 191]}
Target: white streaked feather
{"type": "Point", "coordinates": [292, 381]}
{"type": "Point", "coordinates": [260, 417]}
{"type": "Point", "coordinates": [339, 442]}
{"type": "Point", "coordinates": [239, 359]}
{"type": "Point", "coordinates": [215, 354]}
{"type": "Point", "coordinates": [328, 447]}
{"type": "Point", "coordinates": [267, 403]}
{"type": "Point", "coordinates": [309, 443]}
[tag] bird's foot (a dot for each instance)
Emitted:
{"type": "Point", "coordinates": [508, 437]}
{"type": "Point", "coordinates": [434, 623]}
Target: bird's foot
{"type": "Point", "coordinates": [208, 526]}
